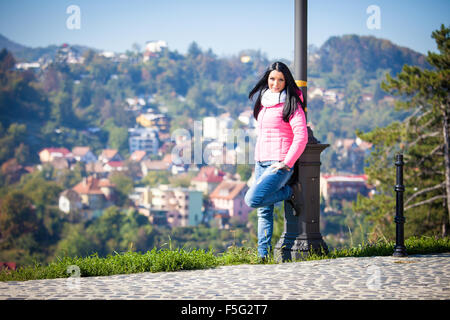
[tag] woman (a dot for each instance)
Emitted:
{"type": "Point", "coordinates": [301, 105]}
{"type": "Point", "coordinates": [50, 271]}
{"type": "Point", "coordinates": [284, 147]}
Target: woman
{"type": "Point", "coordinates": [282, 138]}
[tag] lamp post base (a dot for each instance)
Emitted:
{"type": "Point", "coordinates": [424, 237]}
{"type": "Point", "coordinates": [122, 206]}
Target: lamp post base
{"type": "Point", "coordinates": [299, 248]}
{"type": "Point", "coordinates": [400, 251]}
{"type": "Point", "coordinates": [301, 234]}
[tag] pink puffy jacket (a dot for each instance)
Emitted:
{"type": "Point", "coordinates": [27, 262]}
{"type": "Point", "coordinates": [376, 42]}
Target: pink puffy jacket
{"type": "Point", "coordinates": [279, 140]}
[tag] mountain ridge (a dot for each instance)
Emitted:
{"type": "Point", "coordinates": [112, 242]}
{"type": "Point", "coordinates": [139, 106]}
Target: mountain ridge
{"type": "Point", "coordinates": [363, 42]}
{"type": "Point", "coordinates": [24, 53]}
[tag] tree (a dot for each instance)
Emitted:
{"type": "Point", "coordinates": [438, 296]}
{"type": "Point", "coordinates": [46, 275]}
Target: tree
{"type": "Point", "coordinates": [423, 138]}
{"type": "Point", "coordinates": [123, 183]}
{"type": "Point", "coordinates": [123, 187]}
{"type": "Point", "coordinates": [62, 111]}
{"type": "Point", "coordinates": [105, 231]}
{"type": "Point", "coordinates": [194, 50]}
{"type": "Point", "coordinates": [42, 192]}
{"type": "Point", "coordinates": [7, 60]}
{"type": "Point", "coordinates": [11, 143]}
{"type": "Point", "coordinates": [182, 180]}
{"type": "Point", "coordinates": [155, 178]}
{"type": "Point", "coordinates": [117, 136]}
{"type": "Point", "coordinates": [74, 242]}
{"type": "Point", "coordinates": [244, 171]}
{"type": "Point", "coordinates": [17, 216]}
{"type": "Point", "coordinates": [83, 94]}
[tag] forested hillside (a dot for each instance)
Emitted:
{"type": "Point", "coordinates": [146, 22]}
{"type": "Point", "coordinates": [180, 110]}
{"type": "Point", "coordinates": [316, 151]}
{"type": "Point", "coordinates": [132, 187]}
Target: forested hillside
{"type": "Point", "coordinates": [62, 104]}
{"type": "Point", "coordinates": [70, 98]}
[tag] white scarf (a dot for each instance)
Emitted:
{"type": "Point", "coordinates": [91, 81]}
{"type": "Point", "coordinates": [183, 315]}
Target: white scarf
{"type": "Point", "coordinates": [270, 98]}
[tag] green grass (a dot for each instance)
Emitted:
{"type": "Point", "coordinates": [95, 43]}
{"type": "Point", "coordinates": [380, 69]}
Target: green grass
{"type": "Point", "coordinates": [129, 262]}
{"type": "Point", "coordinates": [180, 259]}
{"type": "Point", "coordinates": [414, 245]}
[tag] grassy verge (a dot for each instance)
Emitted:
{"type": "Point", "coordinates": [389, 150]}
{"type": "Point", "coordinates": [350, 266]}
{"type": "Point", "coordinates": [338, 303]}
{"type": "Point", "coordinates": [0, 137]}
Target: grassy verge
{"type": "Point", "coordinates": [414, 245]}
{"type": "Point", "coordinates": [180, 259]}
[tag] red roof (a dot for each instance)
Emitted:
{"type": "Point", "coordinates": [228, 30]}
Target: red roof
{"type": "Point", "coordinates": [227, 190]}
{"type": "Point", "coordinates": [80, 151]}
{"type": "Point", "coordinates": [115, 164]}
{"type": "Point", "coordinates": [8, 265]}
{"type": "Point", "coordinates": [138, 155]}
{"type": "Point", "coordinates": [91, 185]}
{"type": "Point", "coordinates": [345, 177]}
{"type": "Point", "coordinates": [108, 153]}
{"type": "Point", "coordinates": [209, 174]}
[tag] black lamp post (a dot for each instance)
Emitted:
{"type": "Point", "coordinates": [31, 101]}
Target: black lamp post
{"type": "Point", "coordinates": [301, 45]}
{"type": "Point", "coordinates": [400, 249]}
{"type": "Point", "coordinates": [302, 233]}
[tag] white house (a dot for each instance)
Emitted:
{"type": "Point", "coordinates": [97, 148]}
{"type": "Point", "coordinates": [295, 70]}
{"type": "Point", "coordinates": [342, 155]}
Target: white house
{"type": "Point", "coordinates": [210, 127]}
{"type": "Point", "coordinates": [246, 117]}
{"type": "Point", "coordinates": [217, 128]}
{"type": "Point", "coordinates": [135, 103]}
{"type": "Point", "coordinates": [315, 92]}
{"type": "Point", "coordinates": [155, 46]}
{"type": "Point", "coordinates": [69, 201]}
{"type": "Point", "coordinates": [50, 154]}
{"type": "Point", "coordinates": [27, 65]}
{"type": "Point", "coordinates": [185, 205]}
{"type": "Point", "coordinates": [225, 124]}
{"type": "Point", "coordinates": [330, 96]}
{"type": "Point", "coordinates": [114, 166]}
{"type": "Point", "coordinates": [108, 54]}
{"type": "Point", "coordinates": [154, 165]}
{"type": "Point", "coordinates": [143, 139]}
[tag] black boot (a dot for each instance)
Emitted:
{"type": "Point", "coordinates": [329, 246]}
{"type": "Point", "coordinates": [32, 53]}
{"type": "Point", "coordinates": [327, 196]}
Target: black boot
{"type": "Point", "coordinates": [296, 200]}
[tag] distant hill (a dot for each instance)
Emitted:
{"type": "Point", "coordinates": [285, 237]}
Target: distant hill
{"type": "Point", "coordinates": [11, 45]}
{"type": "Point", "coordinates": [346, 54]}
{"type": "Point", "coordinates": [24, 53]}
{"type": "Point", "coordinates": [350, 54]}
{"type": "Point", "coordinates": [355, 65]}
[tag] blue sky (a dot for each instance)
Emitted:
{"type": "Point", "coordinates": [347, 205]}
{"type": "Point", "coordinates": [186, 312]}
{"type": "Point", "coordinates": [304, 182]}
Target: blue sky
{"type": "Point", "coordinates": [226, 27]}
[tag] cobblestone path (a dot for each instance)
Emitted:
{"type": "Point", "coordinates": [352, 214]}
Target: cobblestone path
{"type": "Point", "coordinates": [414, 277]}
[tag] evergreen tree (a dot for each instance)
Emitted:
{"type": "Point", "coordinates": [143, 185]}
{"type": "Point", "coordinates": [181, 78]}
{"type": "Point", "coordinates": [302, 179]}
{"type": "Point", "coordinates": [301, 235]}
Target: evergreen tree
{"type": "Point", "coordinates": [423, 138]}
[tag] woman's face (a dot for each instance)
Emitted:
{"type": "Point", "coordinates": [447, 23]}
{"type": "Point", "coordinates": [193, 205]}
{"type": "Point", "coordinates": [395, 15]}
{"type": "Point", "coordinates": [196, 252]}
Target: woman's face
{"type": "Point", "coordinates": [276, 81]}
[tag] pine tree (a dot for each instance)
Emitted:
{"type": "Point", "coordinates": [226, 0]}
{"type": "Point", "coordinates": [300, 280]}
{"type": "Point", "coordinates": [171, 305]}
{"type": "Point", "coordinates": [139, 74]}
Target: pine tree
{"type": "Point", "coordinates": [423, 138]}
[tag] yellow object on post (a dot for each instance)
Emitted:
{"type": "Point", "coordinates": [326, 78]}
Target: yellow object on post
{"type": "Point", "coordinates": [300, 84]}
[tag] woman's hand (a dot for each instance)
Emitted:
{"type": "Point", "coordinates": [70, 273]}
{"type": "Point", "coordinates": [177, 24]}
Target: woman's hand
{"type": "Point", "coordinates": [279, 165]}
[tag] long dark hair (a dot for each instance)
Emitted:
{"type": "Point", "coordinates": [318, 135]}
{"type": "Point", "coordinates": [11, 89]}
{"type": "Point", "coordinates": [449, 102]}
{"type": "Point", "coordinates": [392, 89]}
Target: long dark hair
{"type": "Point", "coordinates": [291, 88]}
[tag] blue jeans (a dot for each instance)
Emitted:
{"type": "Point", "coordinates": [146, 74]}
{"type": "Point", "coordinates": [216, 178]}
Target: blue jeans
{"type": "Point", "coordinates": [268, 189]}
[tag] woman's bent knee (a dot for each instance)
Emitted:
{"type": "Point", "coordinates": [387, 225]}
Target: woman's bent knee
{"type": "Point", "coordinates": [250, 200]}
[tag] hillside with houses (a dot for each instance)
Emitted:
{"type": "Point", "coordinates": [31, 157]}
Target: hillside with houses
{"type": "Point", "coordinates": [92, 138]}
